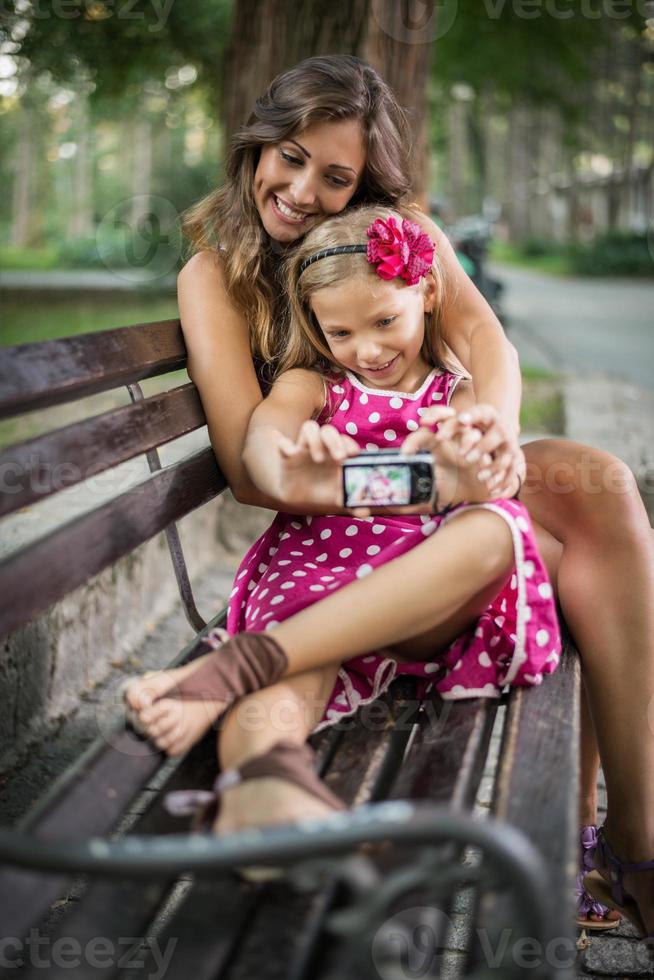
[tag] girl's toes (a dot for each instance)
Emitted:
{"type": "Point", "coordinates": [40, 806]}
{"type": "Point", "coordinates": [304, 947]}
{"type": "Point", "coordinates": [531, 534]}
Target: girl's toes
{"type": "Point", "coordinates": [144, 692]}
{"type": "Point", "coordinates": [162, 717]}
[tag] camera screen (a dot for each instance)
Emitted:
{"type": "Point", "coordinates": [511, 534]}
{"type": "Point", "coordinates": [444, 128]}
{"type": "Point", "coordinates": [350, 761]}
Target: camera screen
{"type": "Point", "coordinates": [381, 484]}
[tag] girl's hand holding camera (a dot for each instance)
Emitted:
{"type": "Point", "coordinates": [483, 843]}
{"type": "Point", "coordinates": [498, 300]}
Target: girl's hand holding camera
{"type": "Point", "coordinates": [311, 466]}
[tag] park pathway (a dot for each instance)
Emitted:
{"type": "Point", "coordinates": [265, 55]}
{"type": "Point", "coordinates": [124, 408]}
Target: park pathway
{"type": "Point", "coordinates": [582, 326]}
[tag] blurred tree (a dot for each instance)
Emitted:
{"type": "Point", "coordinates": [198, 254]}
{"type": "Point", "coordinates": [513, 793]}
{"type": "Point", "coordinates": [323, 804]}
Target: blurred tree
{"type": "Point", "coordinates": [269, 36]}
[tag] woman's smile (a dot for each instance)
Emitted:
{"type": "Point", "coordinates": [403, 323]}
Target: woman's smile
{"type": "Point", "coordinates": [288, 214]}
{"type": "Point", "coordinates": [308, 176]}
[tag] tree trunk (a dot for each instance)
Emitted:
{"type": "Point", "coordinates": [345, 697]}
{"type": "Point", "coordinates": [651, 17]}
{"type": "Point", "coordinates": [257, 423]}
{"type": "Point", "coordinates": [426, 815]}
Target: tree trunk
{"type": "Point", "coordinates": [142, 169]}
{"type": "Point", "coordinates": [269, 36]}
{"type": "Point", "coordinates": [23, 187]}
{"type": "Point", "coordinates": [80, 224]}
{"type": "Point", "coordinates": [400, 51]}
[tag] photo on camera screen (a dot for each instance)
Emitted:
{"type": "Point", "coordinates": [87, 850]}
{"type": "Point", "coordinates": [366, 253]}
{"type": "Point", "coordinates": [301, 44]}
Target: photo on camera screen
{"type": "Point", "coordinates": [382, 485]}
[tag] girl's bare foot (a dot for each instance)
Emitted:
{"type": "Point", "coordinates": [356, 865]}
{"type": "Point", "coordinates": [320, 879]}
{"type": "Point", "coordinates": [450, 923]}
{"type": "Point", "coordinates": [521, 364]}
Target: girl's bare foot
{"type": "Point", "coordinates": [173, 724]}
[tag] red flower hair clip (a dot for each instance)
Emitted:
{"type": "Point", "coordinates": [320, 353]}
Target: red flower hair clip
{"type": "Point", "coordinates": [404, 251]}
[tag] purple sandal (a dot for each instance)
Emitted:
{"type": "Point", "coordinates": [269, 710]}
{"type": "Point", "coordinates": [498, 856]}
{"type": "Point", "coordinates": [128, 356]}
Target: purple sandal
{"type": "Point", "coordinates": [613, 893]}
{"type": "Point", "coordinates": [586, 904]}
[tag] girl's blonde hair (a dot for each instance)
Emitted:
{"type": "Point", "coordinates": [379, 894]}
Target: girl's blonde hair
{"type": "Point", "coordinates": [322, 89]}
{"type": "Point", "coordinates": [305, 344]}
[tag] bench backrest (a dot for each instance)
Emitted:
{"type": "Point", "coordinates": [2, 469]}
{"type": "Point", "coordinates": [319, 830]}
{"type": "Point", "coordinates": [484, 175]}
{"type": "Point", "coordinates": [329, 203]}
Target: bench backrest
{"type": "Point", "coordinates": [41, 375]}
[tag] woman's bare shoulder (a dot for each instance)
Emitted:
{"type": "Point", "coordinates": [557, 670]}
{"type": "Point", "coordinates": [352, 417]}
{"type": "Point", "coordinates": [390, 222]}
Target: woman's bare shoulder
{"type": "Point", "coordinates": [203, 297]}
{"type": "Point", "coordinates": [203, 269]}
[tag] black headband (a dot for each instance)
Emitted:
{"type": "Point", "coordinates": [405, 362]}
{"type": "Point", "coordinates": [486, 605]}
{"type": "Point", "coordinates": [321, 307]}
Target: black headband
{"type": "Point", "coordinates": [336, 250]}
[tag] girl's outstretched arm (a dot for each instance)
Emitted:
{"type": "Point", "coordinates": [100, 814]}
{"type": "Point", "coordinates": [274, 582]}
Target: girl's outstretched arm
{"type": "Point", "coordinates": [288, 455]}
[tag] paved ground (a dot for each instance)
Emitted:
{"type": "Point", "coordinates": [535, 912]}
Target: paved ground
{"type": "Point", "coordinates": [584, 326]}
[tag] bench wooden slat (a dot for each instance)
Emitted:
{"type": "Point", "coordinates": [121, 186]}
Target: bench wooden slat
{"type": "Point", "coordinates": [49, 463]}
{"type": "Point", "coordinates": [69, 556]}
{"type": "Point", "coordinates": [88, 800]}
{"type": "Point", "coordinates": [125, 910]}
{"type": "Point", "coordinates": [538, 775]}
{"type": "Point", "coordinates": [36, 376]}
{"type": "Point", "coordinates": [536, 791]}
{"type": "Point", "coordinates": [446, 758]}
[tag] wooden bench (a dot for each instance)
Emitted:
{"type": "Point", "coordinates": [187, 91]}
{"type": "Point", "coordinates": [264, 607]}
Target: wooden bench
{"type": "Point", "coordinates": [340, 911]}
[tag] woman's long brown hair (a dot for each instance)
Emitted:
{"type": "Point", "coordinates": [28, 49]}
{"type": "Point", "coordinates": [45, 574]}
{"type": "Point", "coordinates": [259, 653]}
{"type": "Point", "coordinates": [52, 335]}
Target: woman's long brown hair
{"type": "Point", "coordinates": [319, 89]}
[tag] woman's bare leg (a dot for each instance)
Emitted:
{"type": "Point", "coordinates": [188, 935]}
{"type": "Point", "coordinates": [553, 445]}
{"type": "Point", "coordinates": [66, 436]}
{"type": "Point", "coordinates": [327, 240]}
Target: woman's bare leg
{"type": "Point", "coordinates": [590, 502]}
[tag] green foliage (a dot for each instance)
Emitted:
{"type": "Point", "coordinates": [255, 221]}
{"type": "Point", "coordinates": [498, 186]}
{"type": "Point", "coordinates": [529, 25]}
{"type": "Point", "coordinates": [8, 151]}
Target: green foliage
{"type": "Point", "coordinates": [538, 247]}
{"type": "Point", "coordinates": [32, 318]}
{"type": "Point", "coordinates": [552, 260]}
{"type": "Point", "coordinates": [117, 46]}
{"type": "Point", "coordinates": [614, 254]}
{"type": "Point", "coordinates": [521, 50]}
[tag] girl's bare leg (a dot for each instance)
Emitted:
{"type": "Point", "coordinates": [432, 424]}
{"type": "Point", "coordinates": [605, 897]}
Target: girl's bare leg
{"type": "Point", "coordinates": [301, 698]}
{"type": "Point", "coordinates": [289, 710]}
{"type": "Point", "coordinates": [442, 585]}
{"type": "Point", "coordinates": [428, 595]}
{"type": "Point", "coordinates": [590, 502]}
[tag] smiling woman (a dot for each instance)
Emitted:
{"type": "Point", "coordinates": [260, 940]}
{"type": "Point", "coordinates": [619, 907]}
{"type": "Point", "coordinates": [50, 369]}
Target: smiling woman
{"type": "Point", "coordinates": [298, 183]}
{"type": "Point", "coordinates": [326, 134]}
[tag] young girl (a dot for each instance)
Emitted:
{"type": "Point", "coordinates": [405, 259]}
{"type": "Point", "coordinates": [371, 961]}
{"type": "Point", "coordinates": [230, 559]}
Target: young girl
{"type": "Point", "coordinates": [360, 372]}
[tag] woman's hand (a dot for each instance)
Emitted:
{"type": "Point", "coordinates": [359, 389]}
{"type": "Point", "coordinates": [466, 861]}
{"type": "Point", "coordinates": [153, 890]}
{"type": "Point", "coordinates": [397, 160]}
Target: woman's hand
{"type": "Point", "coordinates": [311, 465]}
{"type": "Point", "coordinates": [457, 479]}
{"type": "Point", "coordinates": [500, 442]}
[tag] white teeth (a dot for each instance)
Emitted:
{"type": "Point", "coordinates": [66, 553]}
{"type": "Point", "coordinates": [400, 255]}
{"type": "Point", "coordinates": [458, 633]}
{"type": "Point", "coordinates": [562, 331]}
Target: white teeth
{"type": "Point", "coordinates": [296, 215]}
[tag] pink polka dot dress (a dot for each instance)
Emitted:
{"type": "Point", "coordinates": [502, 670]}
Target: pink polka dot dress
{"type": "Point", "coordinates": [300, 560]}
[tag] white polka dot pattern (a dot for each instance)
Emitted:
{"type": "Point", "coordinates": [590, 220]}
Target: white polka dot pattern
{"type": "Point", "coordinates": [515, 640]}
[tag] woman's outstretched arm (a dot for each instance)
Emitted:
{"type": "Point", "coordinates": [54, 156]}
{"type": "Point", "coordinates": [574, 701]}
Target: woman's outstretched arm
{"type": "Point", "coordinates": [220, 365]}
{"type": "Point", "coordinates": [472, 331]}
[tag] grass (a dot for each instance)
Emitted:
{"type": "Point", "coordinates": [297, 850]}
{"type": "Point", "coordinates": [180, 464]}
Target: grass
{"type": "Point", "coordinates": [33, 319]}
{"type": "Point", "coordinates": [542, 409]}
{"type": "Point", "coordinates": [28, 258]}
{"type": "Point", "coordinates": [554, 264]}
